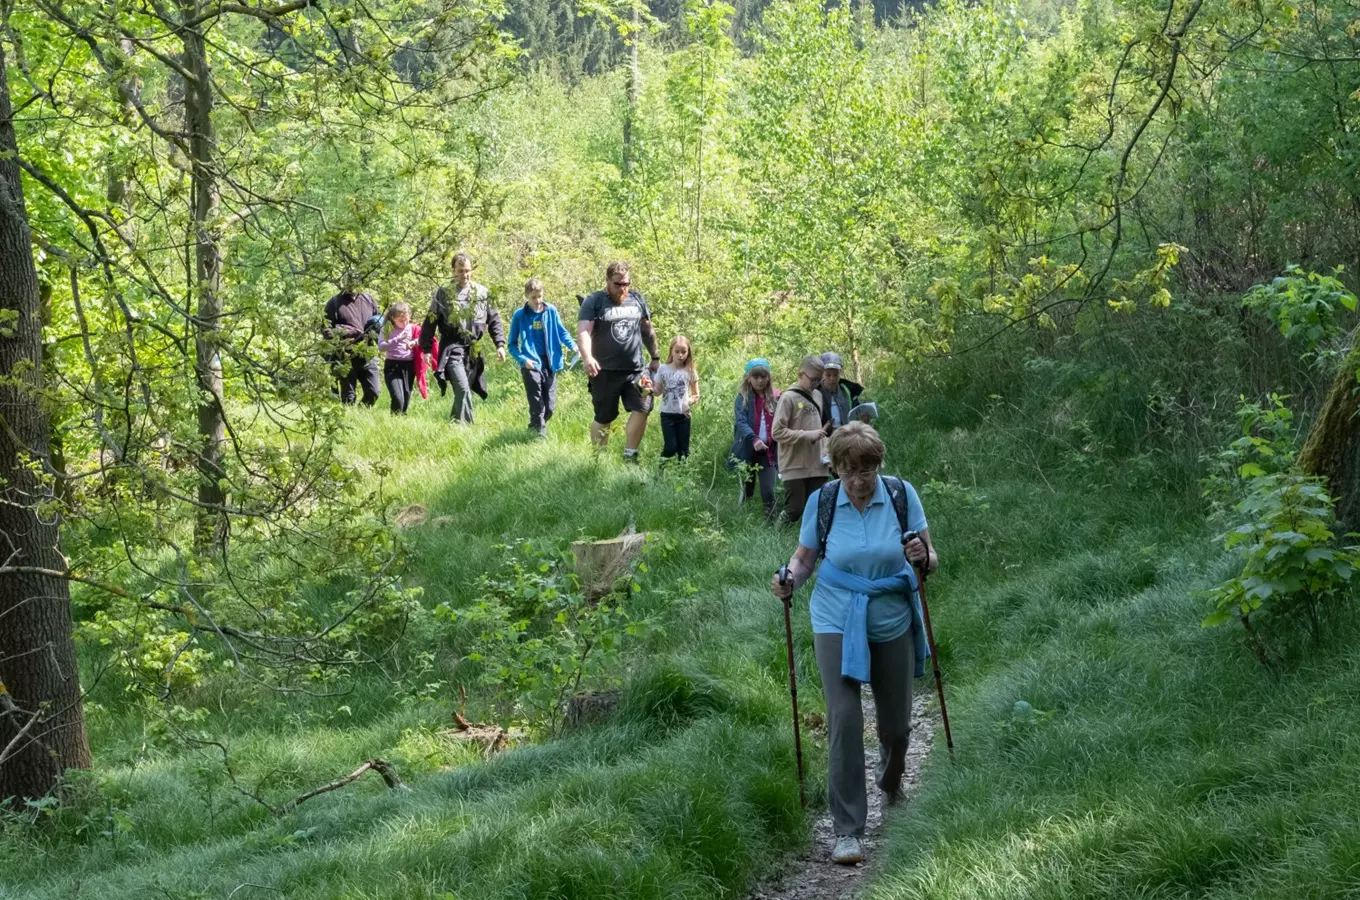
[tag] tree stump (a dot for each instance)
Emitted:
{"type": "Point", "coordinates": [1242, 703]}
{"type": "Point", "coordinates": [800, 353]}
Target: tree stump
{"type": "Point", "coordinates": [600, 563]}
{"type": "Point", "coordinates": [591, 707]}
{"type": "Point", "coordinates": [413, 515]}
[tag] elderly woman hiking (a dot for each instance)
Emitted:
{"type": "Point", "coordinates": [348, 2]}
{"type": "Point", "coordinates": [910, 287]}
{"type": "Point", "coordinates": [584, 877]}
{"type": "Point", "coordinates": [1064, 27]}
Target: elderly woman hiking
{"type": "Point", "coordinates": [866, 618]}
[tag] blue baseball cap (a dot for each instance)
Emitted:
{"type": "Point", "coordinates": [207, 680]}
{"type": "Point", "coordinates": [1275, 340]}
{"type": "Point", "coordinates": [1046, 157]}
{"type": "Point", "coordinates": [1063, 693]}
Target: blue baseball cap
{"type": "Point", "coordinates": [759, 362]}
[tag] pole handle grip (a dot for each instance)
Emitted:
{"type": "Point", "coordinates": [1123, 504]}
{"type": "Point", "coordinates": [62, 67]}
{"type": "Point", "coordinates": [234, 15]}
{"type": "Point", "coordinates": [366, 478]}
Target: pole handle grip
{"type": "Point", "coordinates": [907, 538]}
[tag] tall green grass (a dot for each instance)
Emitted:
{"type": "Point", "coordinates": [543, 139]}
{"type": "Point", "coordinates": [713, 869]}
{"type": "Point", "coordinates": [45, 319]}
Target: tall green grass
{"type": "Point", "coordinates": [1159, 759]}
{"type": "Point", "coordinates": [689, 792]}
{"type": "Point", "coordinates": [1154, 759]}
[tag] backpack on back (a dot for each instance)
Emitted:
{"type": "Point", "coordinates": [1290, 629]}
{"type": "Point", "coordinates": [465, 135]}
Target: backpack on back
{"type": "Point", "coordinates": [831, 491]}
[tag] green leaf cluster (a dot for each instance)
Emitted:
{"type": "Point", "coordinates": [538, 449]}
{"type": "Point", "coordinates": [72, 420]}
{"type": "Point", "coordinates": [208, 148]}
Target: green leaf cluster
{"type": "Point", "coordinates": [537, 639]}
{"type": "Point", "coordinates": [1305, 307]}
{"type": "Point", "coordinates": [1294, 572]}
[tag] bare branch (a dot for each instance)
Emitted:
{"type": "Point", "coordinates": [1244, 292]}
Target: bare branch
{"type": "Point", "coordinates": [381, 766]}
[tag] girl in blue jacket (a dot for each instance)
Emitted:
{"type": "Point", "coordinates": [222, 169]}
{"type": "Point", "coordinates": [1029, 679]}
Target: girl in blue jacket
{"type": "Point", "coordinates": [537, 337]}
{"type": "Point", "coordinates": [753, 433]}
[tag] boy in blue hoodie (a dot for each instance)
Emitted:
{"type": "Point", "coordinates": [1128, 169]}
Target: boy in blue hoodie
{"type": "Point", "coordinates": [537, 337]}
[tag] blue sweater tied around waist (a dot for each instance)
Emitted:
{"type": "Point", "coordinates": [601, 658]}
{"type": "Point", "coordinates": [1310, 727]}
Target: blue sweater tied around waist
{"type": "Point", "coordinates": [855, 632]}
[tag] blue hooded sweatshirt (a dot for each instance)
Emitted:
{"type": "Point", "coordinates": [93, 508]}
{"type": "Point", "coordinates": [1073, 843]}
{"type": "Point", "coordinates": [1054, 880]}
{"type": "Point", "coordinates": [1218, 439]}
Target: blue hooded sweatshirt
{"type": "Point", "coordinates": [531, 331]}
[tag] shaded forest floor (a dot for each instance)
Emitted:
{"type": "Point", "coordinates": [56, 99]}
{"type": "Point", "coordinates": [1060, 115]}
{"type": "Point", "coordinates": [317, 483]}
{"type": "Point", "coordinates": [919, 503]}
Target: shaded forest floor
{"type": "Point", "coordinates": [1146, 757]}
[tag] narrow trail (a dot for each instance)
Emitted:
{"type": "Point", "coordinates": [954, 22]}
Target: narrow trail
{"type": "Point", "coordinates": [810, 874]}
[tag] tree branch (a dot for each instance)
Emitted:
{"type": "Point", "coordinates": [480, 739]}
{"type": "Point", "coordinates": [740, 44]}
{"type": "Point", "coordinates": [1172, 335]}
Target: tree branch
{"type": "Point", "coordinates": [381, 766]}
{"type": "Point", "coordinates": [264, 14]}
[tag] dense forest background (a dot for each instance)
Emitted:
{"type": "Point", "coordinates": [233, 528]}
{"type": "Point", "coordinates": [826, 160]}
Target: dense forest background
{"type": "Point", "coordinates": [1094, 256]}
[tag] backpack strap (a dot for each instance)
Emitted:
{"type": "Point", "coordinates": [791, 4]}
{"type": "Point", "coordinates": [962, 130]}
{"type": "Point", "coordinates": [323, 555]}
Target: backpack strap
{"type": "Point", "coordinates": [826, 512]}
{"type": "Point", "coordinates": [823, 409]}
{"type": "Point", "coordinates": [826, 507]}
{"type": "Point", "coordinates": [897, 492]}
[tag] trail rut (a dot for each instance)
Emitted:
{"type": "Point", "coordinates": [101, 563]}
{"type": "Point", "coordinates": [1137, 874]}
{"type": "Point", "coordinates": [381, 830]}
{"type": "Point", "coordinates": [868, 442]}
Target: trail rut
{"type": "Point", "coordinates": [809, 874]}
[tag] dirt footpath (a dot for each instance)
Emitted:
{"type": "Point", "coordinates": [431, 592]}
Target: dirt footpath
{"type": "Point", "coordinates": [810, 874]}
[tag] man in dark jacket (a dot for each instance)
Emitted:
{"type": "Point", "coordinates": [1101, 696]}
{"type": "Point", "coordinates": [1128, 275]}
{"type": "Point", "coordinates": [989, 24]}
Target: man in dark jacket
{"type": "Point", "coordinates": [349, 317]}
{"type": "Point", "coordinates": [462, 313]}
{"type": "Point", "coordinates": [838, 395]}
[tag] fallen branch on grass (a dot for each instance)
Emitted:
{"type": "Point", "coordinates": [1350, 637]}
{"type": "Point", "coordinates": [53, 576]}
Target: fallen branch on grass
{"type": "Point", "coordinates": [493, 738]}
{"type": "Point", "coordinates": [381, 766]}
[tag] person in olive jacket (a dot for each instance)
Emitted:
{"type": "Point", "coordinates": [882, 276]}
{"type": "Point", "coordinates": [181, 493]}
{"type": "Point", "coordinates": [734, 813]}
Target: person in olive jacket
{"type": "Point", "coordinates": [838, 395]}
{"type": "Point", "coordinates": [459, 315]}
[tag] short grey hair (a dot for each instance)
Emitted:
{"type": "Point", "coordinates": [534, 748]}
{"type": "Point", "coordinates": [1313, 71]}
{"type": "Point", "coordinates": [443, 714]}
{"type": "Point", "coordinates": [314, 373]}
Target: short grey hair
{"type": "Point", "coordinates": [856, 447]}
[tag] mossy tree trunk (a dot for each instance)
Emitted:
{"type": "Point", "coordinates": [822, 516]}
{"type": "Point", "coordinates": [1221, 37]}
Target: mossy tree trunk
{"type": "Point", "coordinates": [1333, 445]}
{"type": "Point", "coordinates": [211, 525]}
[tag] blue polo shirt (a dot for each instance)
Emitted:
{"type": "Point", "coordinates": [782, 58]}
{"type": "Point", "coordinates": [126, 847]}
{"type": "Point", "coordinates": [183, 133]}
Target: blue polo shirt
{"type": "Point", "coordinates": [865, 543]}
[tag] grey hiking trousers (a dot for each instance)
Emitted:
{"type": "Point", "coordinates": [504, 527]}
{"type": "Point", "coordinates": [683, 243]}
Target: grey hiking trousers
{"type": "Point", "coordinates": [891, 664]}
{"type": "Point", "coordinates": [540, 387]}
{"type": "Point", "coordinates": [456, 374]}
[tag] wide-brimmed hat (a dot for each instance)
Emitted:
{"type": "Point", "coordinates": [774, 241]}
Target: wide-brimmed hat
{"type": "Point", "coordinates": [759, 362]}
{"type": "Point", "coordinates": [831, 360]}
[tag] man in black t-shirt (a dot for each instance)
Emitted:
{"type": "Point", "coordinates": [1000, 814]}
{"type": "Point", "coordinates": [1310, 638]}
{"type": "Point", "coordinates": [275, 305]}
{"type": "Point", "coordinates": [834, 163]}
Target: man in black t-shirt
{"type": "Point", "coordinates": [612, 326]}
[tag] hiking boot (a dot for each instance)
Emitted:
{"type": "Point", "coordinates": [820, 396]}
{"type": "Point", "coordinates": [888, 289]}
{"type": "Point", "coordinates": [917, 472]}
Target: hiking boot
{"type": "Point", "coordinates": [847, 851]}
{"type": "Point", "coordinates": [631, 459]}
{"type": "Point", "coordinates": [892, 797]}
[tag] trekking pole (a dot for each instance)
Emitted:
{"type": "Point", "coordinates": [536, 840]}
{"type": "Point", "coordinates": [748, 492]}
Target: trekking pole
{"type": "Point", "coordinates": [930, 641]}
{"type": "Point", "coordinates": [793, 684]}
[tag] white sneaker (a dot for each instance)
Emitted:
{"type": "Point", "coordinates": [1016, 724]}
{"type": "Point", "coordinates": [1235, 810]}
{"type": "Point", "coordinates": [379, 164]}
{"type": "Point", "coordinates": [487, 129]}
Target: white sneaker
{"type": "Point", "coordinates": [848, 850]}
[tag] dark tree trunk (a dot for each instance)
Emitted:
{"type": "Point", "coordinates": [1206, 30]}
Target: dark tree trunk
{"type": "Point", "coordinates": [634, 88]}
{"type": "Point", "coordinates": [42, 723]}
{"type": "Point", "coordinates": [1333, 445]}
{"type": "Point", "coordinates": [119, 188]}
{"type": "Point", "coordinates": [210, 528]}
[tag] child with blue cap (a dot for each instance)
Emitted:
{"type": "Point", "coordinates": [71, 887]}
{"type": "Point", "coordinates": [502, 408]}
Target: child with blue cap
{"type": "Point", "coordinates": [753, 433]}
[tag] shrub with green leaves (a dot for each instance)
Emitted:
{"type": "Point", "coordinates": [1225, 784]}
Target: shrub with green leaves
{"type": "Point", "coordinates": [538, 639]}
{"type": "Point", "coordinates": [1266, 446]}
{"type": "Point", "coordinates": [1305, 307]}
{"type": "Point", "coordinates": [1294, 573]}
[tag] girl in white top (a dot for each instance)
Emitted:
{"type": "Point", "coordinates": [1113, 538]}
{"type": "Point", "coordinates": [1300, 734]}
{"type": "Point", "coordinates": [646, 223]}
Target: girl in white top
{"type": "Point", "coordinates": [677, 383]}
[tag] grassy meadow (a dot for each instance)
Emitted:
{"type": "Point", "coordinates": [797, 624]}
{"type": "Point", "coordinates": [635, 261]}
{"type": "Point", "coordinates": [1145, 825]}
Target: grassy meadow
{"type": "Point", "coordinates": [1148, 757]}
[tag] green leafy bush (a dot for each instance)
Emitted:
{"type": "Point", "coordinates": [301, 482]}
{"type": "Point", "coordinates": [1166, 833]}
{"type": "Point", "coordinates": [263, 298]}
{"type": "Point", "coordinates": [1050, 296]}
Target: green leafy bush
{"type": "Point", "coordinates": [1265, 446]}
{"type": "Point", "coordinates": [538, 640]}
{"type": "Point", "coordinates": [1304, 306]}
{"type": "Point", "coordinates": [1294, 573]}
